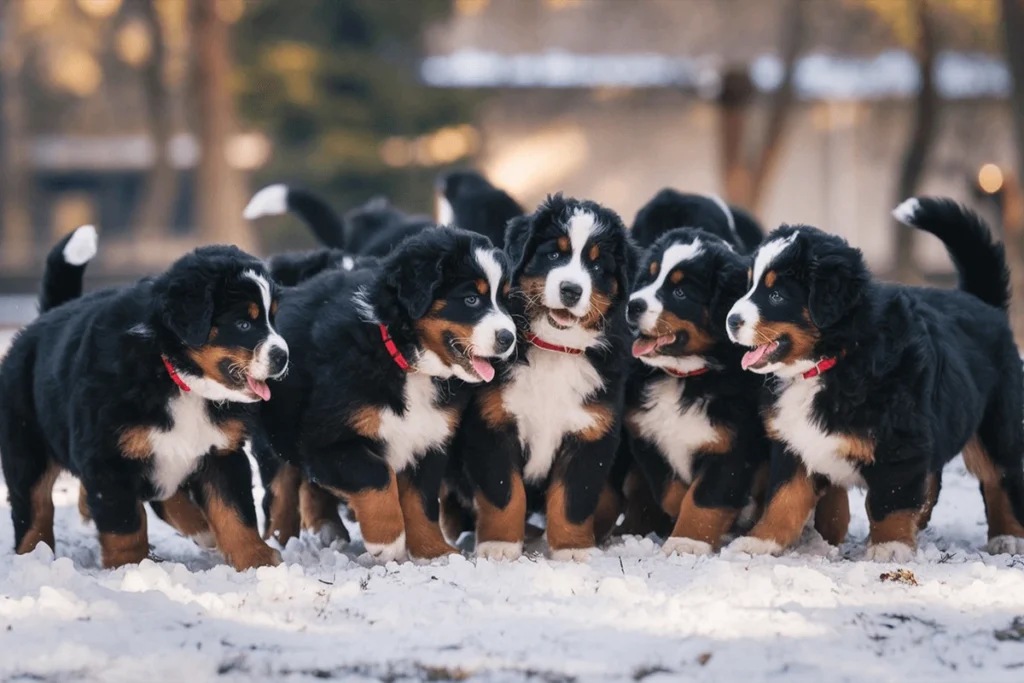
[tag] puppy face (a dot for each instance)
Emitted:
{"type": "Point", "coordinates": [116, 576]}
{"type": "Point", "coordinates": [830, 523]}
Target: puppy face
{"type": "Point", "coordinates": [218, 302]}
{"type": "Point", "coordinates": [802, 284]}
{"type": "Point", "coordinates": [687, 280]}
{"type": "Point", "coordinates": [574, 263]}
{"type": "Point", "coordinates": [450, 287]}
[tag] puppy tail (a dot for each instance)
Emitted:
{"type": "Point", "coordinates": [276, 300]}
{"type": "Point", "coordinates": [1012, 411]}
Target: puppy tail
{"type": "Point", "coordinates": [980, 260]}
{"type": "Point", "coordinates": [275, 200]}
{"type": "Point", "coordinates": [65, 267]}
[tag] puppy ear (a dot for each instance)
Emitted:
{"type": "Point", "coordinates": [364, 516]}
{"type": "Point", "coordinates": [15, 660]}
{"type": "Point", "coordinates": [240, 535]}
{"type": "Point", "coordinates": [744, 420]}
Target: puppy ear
{"type": "Point", "coordinates": [628, 265]}
{"type": "Point", "coordinates": [838, 279]}
{"type": "Point", "coordinates": [730, 284]}
{"type": "Point", "coordinates": [416, 281]}
{"type": "Point", "coordinates": [186, 307]}
{"type": "Point", "coordinates": [517, 234]}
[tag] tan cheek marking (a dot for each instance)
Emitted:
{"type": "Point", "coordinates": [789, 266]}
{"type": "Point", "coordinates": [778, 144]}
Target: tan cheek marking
{"type": "Point", "coordinates": [595, 252]}
{"type": "Point", "coordinates": [254, 311]}
{"type": "Point", "coordinates": [481, 287]}
{"type": "Point", "coordinates": [802, 337]}
{"type": "Point", "coordinates": [208, 358]}
{"type": "Point", "coordinates": [433, 330]}
{"type": "Point", "coordinates": [676, 277]}
{"type": "Point", "coordinates": [699, 339]}
{"type": "Point", "coordinates": [654, 268]}
{"type": "Point", "coordinates": [769, 278]}
{"type": "Point", "coordinates": [563, 244]}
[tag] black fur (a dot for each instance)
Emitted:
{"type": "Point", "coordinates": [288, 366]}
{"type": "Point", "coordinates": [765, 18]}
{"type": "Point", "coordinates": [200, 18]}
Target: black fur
{"type": "Point", "coordinates": [672, 209]}
{"type": "Point", "coordinates": [477, 205]}
{"type": "Point", "coordinates": [291, 268]}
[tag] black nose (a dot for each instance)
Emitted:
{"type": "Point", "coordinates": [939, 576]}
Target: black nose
{"type": "Point", "coordinates": [734, 321]}
{"type": "Point", "coordinates": [503, 341]}
{"type": "Point", "coordinates": [570, 293]}
{"type": "Point", "coordinates": [634, 310]}
{"type": "Point", "coordinates": [278, 360]}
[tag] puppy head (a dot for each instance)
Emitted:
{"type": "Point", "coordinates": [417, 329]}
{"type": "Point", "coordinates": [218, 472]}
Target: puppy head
{"type": "Point", "coordinates": [454, 186]}
{"type": "Point", "coordinates": [445, 290]}
{"type": "Point", "coordinates": [687, 282]}
{"type": "Point", "coordinates": [804, 287]}
{"type": "Point", "coordinates": [214, 316]}
{"type": "Point", "coordinates": [573, 264]}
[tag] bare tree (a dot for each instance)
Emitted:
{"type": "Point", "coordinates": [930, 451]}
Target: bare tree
{"type": "Point", "coordinates": [15, 178]}
{"type": "Point", "coordinates": [750, 164]}
{"type": "Point", "coordinates": [219, 187]}
{"type": "Point", "coordinates": [1013, 204]}
{"type": "Point", "coordinates": [922, 137]}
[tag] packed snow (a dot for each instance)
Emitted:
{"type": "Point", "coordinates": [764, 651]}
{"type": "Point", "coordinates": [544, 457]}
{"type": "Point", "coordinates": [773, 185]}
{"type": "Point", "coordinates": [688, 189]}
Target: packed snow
{"type": "Point", "coordinates": [628, 614]}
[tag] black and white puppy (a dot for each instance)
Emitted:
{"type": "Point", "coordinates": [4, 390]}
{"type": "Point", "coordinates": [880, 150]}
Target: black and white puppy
{"type": "Point", "coordinates": [144, 393]}
{"type": "Point", "coordinates": [880, 385]}
{"type": "Point", "coordinates": [670, 209]}
{"type": "Point", "coordinates": [384, 361]}
{"type": "Point", "coordinates": [692, 413]}
{"type": "Point", "coordinates": [469, 201]}
{"type": "Point", "coordinates": [545, 435]}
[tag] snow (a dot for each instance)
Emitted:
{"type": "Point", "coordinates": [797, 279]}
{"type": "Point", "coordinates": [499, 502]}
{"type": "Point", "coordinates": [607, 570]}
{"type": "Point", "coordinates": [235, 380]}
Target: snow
{"type": "Point", "coordinates": [630, 613]}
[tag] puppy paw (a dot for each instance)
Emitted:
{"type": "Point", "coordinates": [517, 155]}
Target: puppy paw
{"type": "Point", "coordinates": [261, 555]}
{"type": "Point", "coordinates": [571, 554]}
{"type": "Point", "coordinates": [329, 533]}
{"type": "Point", "coordinates": [890, 551]}
{"type": "Point", "coordinates": [499, 551]}
{"type": "Point", "coordinates": [677, 545]}
{"type": "Point", "coordinates": [388, 552]}
{"type": "Point", "coordinates": [751, 545]}
{"type": "Point", "coordinates": [205, 540]}
{"type": "Point", "coordinates": [1006, 545]}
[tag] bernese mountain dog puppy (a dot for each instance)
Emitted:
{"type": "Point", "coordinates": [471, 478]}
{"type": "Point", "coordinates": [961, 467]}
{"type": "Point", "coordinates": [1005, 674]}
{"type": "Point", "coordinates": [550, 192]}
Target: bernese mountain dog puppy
{"type": "Point", "coordinates": [144, 393]}
{"type": "Point", "coordinates": [692, 413]}
{"type": "Point", "coordinates": [671, 209]}
{"type": "Point", "coordinates": [880, 385]}
{"type": "Point", "coordinates": [293, 267]}
{"type": "Point", "coordinates": [545, 435]}
{"type": "Point", "coordinates": [384, 360]}
{"type": "Point", "coordinates": [467, 200]}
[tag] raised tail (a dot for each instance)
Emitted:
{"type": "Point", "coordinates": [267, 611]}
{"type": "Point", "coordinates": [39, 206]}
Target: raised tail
{"type": "Point", "coordinates": [980, 260]}
{"type": "Point", "coordinates": [274, 200]}
{"type": "Point", "coordinates": [65, 267]}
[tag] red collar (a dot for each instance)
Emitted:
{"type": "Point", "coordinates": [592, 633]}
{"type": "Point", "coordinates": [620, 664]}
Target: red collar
{"type": "Point", "coordinates": [537, 341]}
{"type": "Point", "coordinates": [820, 367]}
{"type": "Point", "coordinates": [174, 375]}
{"type": "Point", "coordinates": [684, 375]}
{"type": "Point", "coordinates": [392, 348]}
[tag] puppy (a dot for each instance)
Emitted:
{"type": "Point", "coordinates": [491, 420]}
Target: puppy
{"type": "Point", "coordinates": [291, 268]}
{"type": "Point", "coordinates": [468, 200]}
{"type": "Point", "coordinates": [142, 393]}
{"type": "Point", "coordinates": [880, 385]}
{"type": "Point", "coordinates": [545, 435]}
{"type": "Point", "coordinates": [671, 209]}
{"type": "Point", "coordinates": [384, 362]}
{"type": "Point", "coordinates": [692, 413]}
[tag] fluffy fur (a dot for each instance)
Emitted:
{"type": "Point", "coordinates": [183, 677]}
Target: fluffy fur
{"type": "Point", "coordinates": [920, 374]}
{"type": "Point", "coordinates": [86, 388]}
{"type": "Point", "coordinates": [469, 201]}
{"type": "Point", "coordinates": [672, 209]}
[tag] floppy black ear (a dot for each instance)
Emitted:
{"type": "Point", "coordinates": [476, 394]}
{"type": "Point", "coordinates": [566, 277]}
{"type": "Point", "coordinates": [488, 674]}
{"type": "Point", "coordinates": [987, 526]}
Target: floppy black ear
{"type": "Point", "coordinates": [730, 284]}
{"type": "Point", "coordinates": [628, 266]}
{"type": "Point", "coordinates": [838, 279]}
{"type": "Point", "coordinates": [517, 235]}
{"type": "Point", "coordinates": [416, 281]}
{"type": "Point", "coordinates": [186, 307]}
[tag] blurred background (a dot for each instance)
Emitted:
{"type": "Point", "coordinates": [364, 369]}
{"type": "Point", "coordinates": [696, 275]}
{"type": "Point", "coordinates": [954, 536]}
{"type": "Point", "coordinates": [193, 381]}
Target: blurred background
{"type": "Point", "coordinates": [157, 119]}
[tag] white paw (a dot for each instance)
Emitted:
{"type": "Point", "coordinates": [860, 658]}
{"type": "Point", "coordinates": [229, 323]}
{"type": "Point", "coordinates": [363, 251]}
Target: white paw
{"type": "Point", "coordinates": [891, 551]}
{"type": "Point", "coordinates": [677, 545]}
{"type": "Point", "coordinates": [205, 540]}
{"type": "Point", "coordinates": [1006, 545]}
{"type": "Point", "coordinates": [330, 532]}
{"type": "Point", "coordinates": [499, 550]}
{"type": "Point", "coordinates": [388, 552]}
{"type": "Point", "coordinates": [751, 545]}
{"type": "Point", "coordinates": [571, 554]}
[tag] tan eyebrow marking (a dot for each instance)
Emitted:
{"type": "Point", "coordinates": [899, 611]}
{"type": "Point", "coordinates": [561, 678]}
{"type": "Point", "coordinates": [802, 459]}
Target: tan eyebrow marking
{"type": "Point", "coordinates": [563, 244]}
{"type": "Point", "coordinates": [595, 251]}
{"type": "Point", "coordinates": [254, 310]}
{"type": "Point", "coordinates": [654, 268]}
{"type": "Point", "coordinates": [676, 277]}
{"type": "Point", "coordinates": [769, 278]}
{"type": "Point", "coordinates": [481, 286]}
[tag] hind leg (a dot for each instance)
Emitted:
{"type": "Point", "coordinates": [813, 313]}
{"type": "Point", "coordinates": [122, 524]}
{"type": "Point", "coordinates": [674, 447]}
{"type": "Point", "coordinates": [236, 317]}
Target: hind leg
{"type": "Point", "coordinates": [31, 493]}
{"type": "Point", "coordinates": [319, 511]}
{"type": "Point", "coordinates": [1002, 486]}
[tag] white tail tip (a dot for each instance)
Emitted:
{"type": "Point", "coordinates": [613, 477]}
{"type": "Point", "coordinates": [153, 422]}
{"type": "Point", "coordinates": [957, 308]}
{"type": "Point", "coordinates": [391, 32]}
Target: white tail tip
{"type": "Point", "coordinates": [906, 211]}
{"type": "Point", "coordinates": [82, 246]}
{"type": "Point", "coordinates": [272, 200]}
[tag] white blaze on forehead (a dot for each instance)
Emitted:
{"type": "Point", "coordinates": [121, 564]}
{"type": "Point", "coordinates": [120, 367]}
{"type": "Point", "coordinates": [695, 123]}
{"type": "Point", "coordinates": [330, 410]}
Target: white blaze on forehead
{"type": "Point", "coordinates": [746, 309]}
{"type": "Point", "coordinates": [485, 332]}
{"type": "Point", "coordinates": [768, 254]}
{"type": "Point", "coordinates": [260, 366]}
{"type": "Point", "coordinates": [672, 257]}
{"type": "Point", "coordinates": [492, 269]}
{"type": "Point", "coordinates": [580, 227]}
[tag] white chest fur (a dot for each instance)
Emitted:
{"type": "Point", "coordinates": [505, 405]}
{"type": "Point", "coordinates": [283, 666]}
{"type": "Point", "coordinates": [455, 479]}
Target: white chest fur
{"type": "Point", "coordinates": [677, 432]}
{"type": "Point", "coordinates": [176, 452]}
{"type": "Point", "coordinates": [421, 427]}
{"type": "Point", "coordinates": [547, 399]}
{"type": "Point", "coordinates": [794, 423]}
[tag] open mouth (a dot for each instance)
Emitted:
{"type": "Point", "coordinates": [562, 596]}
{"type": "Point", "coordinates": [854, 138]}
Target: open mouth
{"type": "Point", "coordinates": [647, 346]}
{"type": "Point", "coordinates": [561, 319]}
{"type": "Point", "coordinates": [480, 365]}
{"type": "Point", "coordinates": [258, 387]}
{"type": "Point", "coordinates": [764, 354]}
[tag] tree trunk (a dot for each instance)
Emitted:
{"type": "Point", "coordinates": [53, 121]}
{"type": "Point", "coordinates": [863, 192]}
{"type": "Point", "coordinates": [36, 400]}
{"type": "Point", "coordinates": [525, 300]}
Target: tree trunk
{"type": "Point", "coordinates": [16, 244]}
{"type": "Point", "coordinates": [154, 214]}
{"type": "Point", "coordinates": [926, 109]}
{"type": "Point", "coordinates": [219, 188]}
{"type": "Point", "coordinates": [1013, 214]}
{"type": "Point", "coordinates": [734, 104]}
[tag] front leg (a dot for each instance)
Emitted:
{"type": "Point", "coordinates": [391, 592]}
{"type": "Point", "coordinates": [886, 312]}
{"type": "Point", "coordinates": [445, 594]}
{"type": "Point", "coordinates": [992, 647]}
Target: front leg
{"type": "Point", "coordinates": [791, 498]}
{"type": "Point", "coordinates": [182, 513]}
{"type": "Point", "coordinates": [894, 503]}
{"type": "Point", "coordinates": [419, 492]}
{"type": "Point", "coordinates": [223, 488]}
{"type": "Point", "coordinates": [114, 505]}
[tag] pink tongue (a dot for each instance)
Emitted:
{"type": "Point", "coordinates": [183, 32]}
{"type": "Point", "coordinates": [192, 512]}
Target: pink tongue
{"type": "Point", "coordinates": [259, 388]}
{"type": "Point", "coordinates": [483, 368]}
{"type": "Point", "coordinates": [643, 346]}
{"type": "Point", "coordinates": [754, 356]}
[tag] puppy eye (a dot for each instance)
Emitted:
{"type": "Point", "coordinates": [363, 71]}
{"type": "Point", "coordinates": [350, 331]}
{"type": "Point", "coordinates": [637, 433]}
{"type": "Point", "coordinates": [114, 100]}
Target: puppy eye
{"type": "Point", "coordinates": [679, 293]}
{"type": "Point", "coordinates": [553, 256]}
{"type": "Point", "coordinates": [775, 298]}
{"type": "Point", "coordinates": [243, 325]}
{"type": "Point", "coordinates": [472, 301]}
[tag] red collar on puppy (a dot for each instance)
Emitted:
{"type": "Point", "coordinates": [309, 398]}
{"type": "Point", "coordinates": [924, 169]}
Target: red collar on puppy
{"type": "Point", "coordinates": [820, 367]}
{"type": "Point", "coordinates": [392, 348]}
{"type": "Point", "coordinates": [683, 375]}
{"type": "Point", "coordinates": [537, 341]}
{"type": "Point", "coordinates": [174, 375]}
